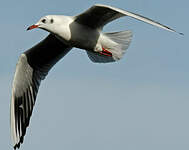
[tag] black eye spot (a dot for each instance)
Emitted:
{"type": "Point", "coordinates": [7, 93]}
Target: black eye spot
{"type": "Point", "coordinates": [51, 20]}
{"type": "Point", "coordinates": [44, 20]}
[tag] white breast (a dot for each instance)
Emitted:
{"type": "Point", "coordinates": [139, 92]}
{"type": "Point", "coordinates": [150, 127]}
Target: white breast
{"type": "Point", "coordinates": [63, 29]}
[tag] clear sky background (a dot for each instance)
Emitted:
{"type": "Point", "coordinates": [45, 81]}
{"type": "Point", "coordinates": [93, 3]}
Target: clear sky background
{"type": "Point", "coordinates": [138, 103]}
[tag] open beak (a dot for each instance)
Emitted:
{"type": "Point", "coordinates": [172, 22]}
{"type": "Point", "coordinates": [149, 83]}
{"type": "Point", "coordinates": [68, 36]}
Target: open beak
{"type": "Point", "coordinates": [33, 27]}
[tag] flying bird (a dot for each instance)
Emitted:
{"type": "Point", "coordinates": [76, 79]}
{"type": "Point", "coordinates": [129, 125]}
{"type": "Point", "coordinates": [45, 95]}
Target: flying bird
{"type": "Point", "coordinates": [82, 31]}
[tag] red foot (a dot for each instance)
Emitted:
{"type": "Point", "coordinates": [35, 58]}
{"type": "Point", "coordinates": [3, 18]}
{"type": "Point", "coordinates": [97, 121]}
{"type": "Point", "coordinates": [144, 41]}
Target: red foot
{"type": "Point", "coordinates": [105, 52]}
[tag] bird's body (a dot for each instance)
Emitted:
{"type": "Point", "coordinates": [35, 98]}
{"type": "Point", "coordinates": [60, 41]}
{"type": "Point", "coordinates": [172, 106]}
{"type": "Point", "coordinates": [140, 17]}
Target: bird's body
{"type": "Point", "coordinates": [83, 31]}
{"type": "Point", "coordinates": [78, 35]}
{"type": "Point", "coordinates": [75, 34]}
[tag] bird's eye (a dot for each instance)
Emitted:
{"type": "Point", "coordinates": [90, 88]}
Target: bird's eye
{"type": "Point", "coordinates": [52, 20]}
{"type": "Point", "coordinates": [44, 20]}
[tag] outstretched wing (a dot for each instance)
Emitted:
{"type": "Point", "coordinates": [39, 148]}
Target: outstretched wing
{"type": "Point", "coordinates": [32, 67]}
{"type": "Point", "coordinates": [99, 15]}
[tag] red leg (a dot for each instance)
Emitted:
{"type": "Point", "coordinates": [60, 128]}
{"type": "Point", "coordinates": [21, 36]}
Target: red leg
{"type": "Point", "coordinates": [105, 52]}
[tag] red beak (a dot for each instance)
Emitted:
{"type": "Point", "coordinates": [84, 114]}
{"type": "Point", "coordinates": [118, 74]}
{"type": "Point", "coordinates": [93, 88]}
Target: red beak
{"type": "Point", "coordinates": [32, 27]}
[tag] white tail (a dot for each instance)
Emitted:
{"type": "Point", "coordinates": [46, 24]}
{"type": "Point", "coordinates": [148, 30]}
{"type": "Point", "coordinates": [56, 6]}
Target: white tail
{"type": "Point", "coordinates": [122, 40]}
{"type": "Point", "coordinates": [116, 43]}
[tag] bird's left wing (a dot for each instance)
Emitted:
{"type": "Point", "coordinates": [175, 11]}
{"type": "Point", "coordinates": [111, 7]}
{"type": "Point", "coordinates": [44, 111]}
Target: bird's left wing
{"type": "Point", "coordinates": [32, 67]}
{"type": "Point", "coordinates": [99, 15]}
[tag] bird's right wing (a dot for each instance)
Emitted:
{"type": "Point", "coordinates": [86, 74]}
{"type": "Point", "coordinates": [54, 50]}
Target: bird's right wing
{"type": "Point", "coordinates": [32, 67]}
{"type": "Point", "coordinates": [99, 15]}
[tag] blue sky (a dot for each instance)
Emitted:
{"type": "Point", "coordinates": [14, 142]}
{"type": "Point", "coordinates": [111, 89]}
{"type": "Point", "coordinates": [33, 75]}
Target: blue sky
{"type": "Point", "coordinates": [140, 102]}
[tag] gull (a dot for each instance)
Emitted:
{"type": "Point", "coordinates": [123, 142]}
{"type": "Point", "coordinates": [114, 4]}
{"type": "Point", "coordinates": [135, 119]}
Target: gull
{"type": "Point", "coordinates": [82, 31]}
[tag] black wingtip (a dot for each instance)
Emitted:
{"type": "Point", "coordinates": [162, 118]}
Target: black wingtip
{"type": "Point", "coordinates": [181, 33]}
{"type": "Point", "coordinates": [17, 146]}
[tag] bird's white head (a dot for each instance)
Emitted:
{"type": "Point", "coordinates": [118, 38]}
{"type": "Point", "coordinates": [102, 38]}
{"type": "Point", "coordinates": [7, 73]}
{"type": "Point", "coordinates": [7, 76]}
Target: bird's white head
{"type": "Point", "coordinates": [57, 24]}
{"type": "Point", "coordinates": [46, 23]}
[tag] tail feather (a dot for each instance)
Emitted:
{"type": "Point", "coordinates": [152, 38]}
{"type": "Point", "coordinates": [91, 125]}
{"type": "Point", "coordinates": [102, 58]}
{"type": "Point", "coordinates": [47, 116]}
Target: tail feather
{"type": "Point", "coordinates": [114, 45]}
{"type": "Point", "coordinates": [122, 41]}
